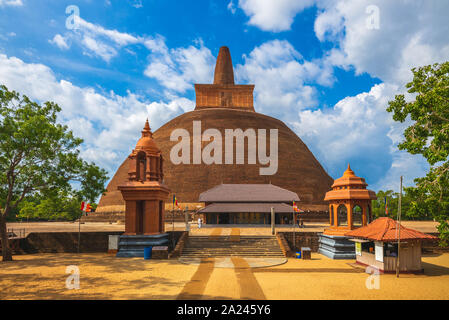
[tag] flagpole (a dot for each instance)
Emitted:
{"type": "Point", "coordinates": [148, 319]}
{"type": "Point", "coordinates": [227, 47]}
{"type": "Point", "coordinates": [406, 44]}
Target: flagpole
{"type": "Point", "coordinates": [79, 231]}
{"type": "Point", "coordinates": [399, 229]}
{"type": "Point", "coordinates": [294, 228]}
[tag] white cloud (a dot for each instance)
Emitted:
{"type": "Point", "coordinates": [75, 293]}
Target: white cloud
{"type": "Point", "coordinates": [96, 40]}
{"type": "Point", "coordinates": [98, 48]}
{"type": "Point", "coordinates": [356, 129]}
{"type": "Point", "coordinates": [410, 34]}
{"type": "Point", "coordinates": [177, 69]}
{"type": "Point", "coordinates": [282, 78]}
{"type": "Point", "coordinates": [273, 15]}
{"type": "Point", "coordinates": [110, 124]}
{"type": "Point", "coordinates": [406, 165]}
{"type": "Point", "coordinates": [60, 42]}
{"type": "Point", "coordinates": [12, 3]}
{"type": "Point", "coordinates": [120, 38]}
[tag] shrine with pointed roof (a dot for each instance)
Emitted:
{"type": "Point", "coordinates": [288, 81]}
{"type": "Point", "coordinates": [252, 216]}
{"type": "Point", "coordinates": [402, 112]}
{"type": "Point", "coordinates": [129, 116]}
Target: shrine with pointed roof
{"type": "Point", "coordinates": [349, 203]}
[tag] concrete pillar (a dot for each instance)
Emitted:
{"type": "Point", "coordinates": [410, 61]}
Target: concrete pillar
{"type": "Point", "coordinates": [186, 218]}
{"type": "Point", "coordinates": [272, 221]}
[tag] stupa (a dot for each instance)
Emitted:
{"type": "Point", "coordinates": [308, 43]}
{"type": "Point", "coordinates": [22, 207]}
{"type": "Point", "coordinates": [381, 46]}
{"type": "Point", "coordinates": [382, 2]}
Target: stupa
{"type": "Point", "coordinates": [222, 106]}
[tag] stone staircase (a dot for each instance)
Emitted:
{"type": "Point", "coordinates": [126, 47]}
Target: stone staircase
{"type": "Point", "coordinates": [227, 246]}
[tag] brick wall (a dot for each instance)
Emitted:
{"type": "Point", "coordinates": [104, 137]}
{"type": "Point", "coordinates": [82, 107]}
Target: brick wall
{"type": "Point", "coordinates": [302, 239]}
{"type": "Point", "coordinates": [58, 242]}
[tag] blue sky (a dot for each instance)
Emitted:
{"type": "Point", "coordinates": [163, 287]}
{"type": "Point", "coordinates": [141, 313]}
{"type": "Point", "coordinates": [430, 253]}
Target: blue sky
{"type": "Point", "coordinates": [326, 68]}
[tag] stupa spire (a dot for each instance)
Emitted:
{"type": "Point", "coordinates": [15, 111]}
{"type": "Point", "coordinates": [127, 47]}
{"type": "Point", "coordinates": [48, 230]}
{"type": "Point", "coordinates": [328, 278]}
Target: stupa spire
{"type": "Point", "coordinates": [348, 171]}
{"type": "Point", "coordinates": [146, 132]}
{"type": "Point", "coordinates": [224, 72]}
{"type": "Point", "coordinates": [224, 93]}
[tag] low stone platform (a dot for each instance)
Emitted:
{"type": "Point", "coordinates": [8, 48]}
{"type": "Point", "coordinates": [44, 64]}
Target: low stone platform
{"type": "Point", "coordinates": [133, 246]}
{"type": "Point", "coordinates": [336, 247]}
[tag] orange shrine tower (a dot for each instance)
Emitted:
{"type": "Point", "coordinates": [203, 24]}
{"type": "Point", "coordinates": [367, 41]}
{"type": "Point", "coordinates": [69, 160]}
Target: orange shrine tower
{"type": "Point", "coordinates": [144, 194]}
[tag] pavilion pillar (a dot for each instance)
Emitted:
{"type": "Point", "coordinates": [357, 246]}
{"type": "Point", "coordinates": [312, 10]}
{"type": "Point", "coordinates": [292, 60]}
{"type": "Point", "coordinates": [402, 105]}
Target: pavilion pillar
{"type": "Point", "coordinates": [349, 207]}
{"type": "Point", "coordinates": [131, 218]}
{"type": "Point", "coordinates": [364, 212]}
{"type": "Point", "coordinates": [330, 215]}
{"type": "Point", "coordinates": [335, 214]}
{"type": "Point", "coordinates": [161, 216]}
{"type": "Point", "coordinates": [151, 217]}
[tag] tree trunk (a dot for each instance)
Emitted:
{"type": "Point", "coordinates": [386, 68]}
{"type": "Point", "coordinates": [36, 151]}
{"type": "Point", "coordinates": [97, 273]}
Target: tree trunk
{"type": "Point", "coordinates": [6, 251]}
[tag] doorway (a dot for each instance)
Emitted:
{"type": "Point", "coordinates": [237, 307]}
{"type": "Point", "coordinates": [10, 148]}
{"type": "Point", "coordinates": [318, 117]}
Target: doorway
{"type": "Point", "coordinates": [223, 218]}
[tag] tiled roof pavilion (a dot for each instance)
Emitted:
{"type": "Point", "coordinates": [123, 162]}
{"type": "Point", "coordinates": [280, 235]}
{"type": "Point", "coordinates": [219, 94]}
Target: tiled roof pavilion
{"type": "Point", "coordinates": [385, 229]}
{"type": "Point", "coordinates": [248, 193]}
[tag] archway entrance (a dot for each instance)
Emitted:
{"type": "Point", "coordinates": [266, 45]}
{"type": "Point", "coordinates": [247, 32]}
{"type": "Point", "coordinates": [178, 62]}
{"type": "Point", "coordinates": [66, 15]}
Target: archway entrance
{"type": "Point", "coordinates": [342, 215]}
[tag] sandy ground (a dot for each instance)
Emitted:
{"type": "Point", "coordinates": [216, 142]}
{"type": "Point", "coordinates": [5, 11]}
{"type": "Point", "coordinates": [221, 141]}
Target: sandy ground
{"type": "Point", "coordinates": [102, 276]}
{"type": "Point", "coordinates": [423, 226]}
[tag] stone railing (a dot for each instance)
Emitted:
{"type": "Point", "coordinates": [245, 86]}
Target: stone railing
{"type": "Point", "coordinates": [284, 245]}
{"type": "Point", "coordinates": [177, 251]}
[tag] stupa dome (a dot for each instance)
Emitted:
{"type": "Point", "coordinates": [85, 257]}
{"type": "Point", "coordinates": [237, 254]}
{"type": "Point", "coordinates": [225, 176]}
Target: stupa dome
{"type": "Point", "coordinates": [225, 105]}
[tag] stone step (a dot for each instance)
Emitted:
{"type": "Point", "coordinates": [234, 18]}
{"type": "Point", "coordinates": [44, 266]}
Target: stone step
{"type": "Point", "coordinates": [231, 251]}
{"type": "Point", "coordinates": [230, 247]}
{"type": "Point", "coordinates": [222, 246]}
{"type": "Point", "coordinates": [233, 255]}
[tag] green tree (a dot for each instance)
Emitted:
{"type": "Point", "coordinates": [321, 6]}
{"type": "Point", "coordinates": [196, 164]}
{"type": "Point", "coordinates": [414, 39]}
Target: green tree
{"type": "Point", "coordinates": [379, 204]}
{"type": "Point", "coordinates": [38, 156]}
{"type": "Point", "coordinates": [393, 204]}
{"type": "Point", "coordinates": [428, 135]}
{"type": "Point", "coordinates": [57, 206]}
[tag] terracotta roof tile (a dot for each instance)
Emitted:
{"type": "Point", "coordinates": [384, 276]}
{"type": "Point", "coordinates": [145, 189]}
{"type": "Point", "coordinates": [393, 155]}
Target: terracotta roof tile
{"type": "Point", "coordinates": [386, 229]}
{"type": "Point", "coordinates": [247, 207]}
{"type": "Point", "coordinates": [248, 193]}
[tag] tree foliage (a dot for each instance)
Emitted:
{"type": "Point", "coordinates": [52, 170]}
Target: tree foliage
{"type": "Point", "coordinates": [428, 135]}
{"type": "Point", "coordinates": [39, 158]}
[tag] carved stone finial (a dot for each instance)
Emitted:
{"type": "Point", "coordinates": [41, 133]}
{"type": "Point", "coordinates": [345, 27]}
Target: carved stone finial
{"type": "Point", "coordinates": [224, 73]}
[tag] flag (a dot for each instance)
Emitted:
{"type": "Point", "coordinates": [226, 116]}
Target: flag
{"type": "Point", "coordinates": [386, 206]}
{"type": "Point", "coordinates": [86, 207]}
{"type": "Point", "coordinates": [295, 207]}
{"type": "Point", "coordinates": [175, 202]}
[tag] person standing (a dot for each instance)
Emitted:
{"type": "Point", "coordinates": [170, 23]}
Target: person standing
{"type": "Point", "coordinates": [200, 222]}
